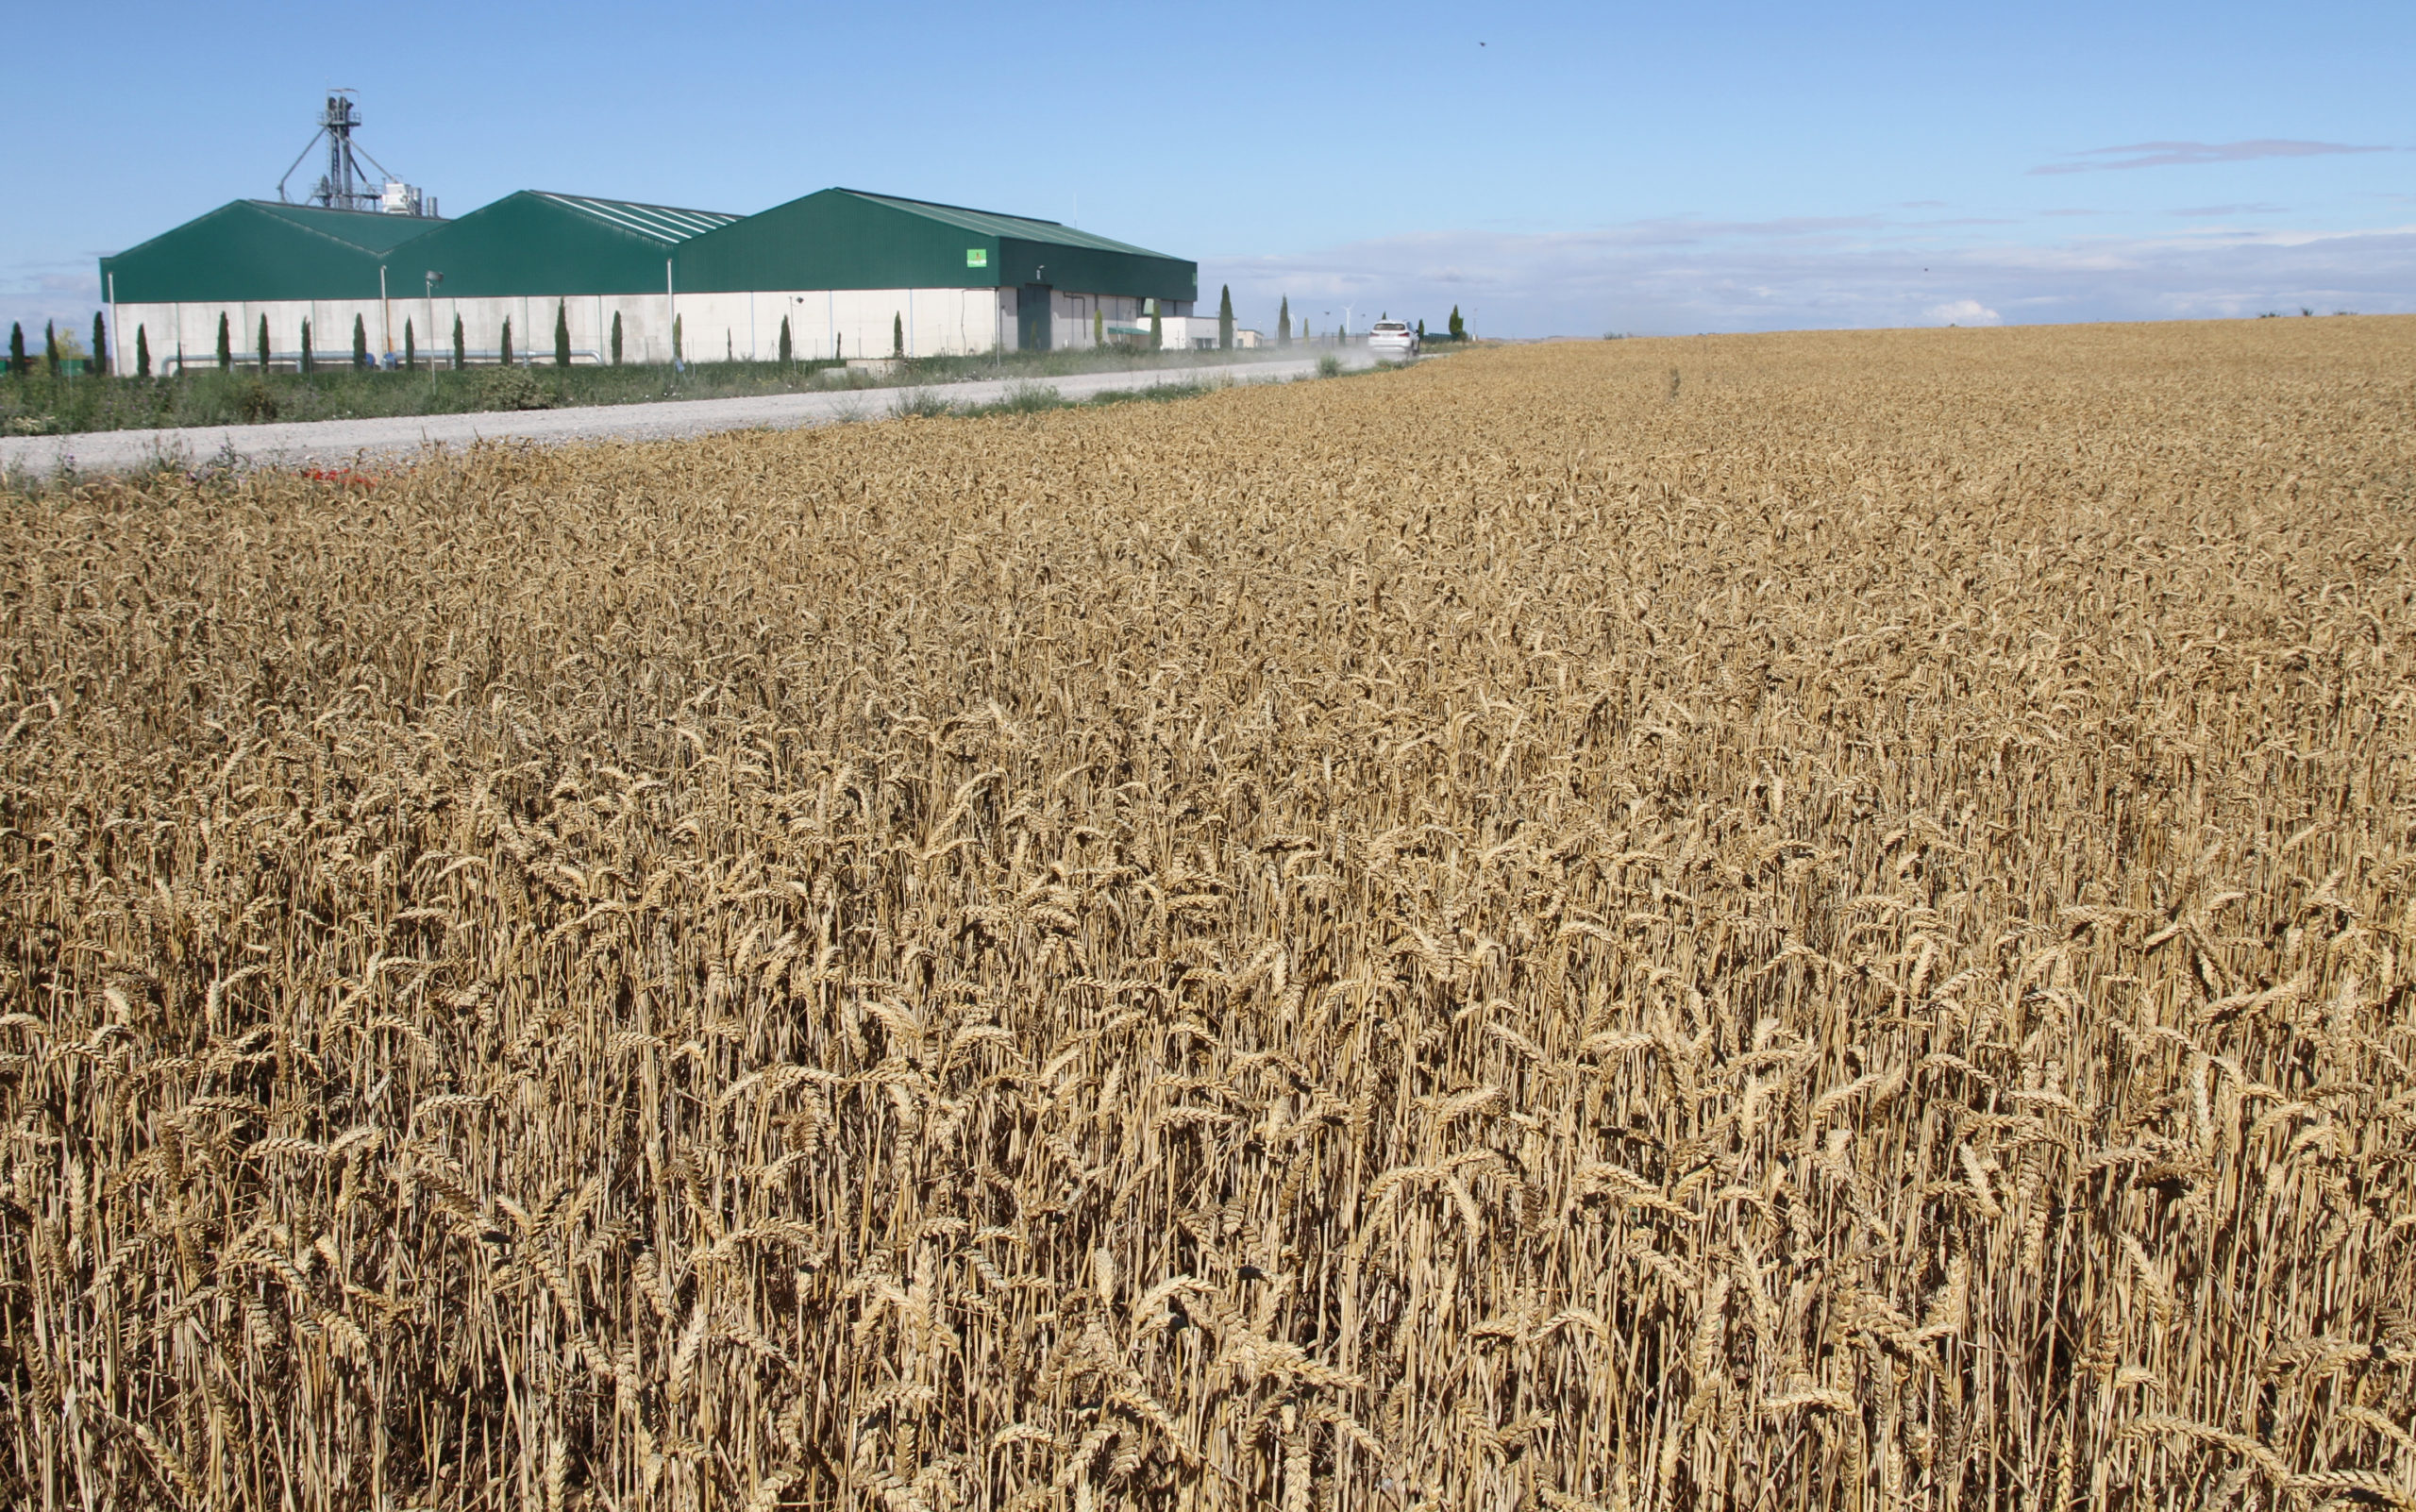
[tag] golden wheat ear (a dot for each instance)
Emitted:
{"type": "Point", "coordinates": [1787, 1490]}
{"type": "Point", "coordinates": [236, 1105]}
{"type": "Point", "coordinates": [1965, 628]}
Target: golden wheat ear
{"type": "Point", "coordinates": [1805, 921]}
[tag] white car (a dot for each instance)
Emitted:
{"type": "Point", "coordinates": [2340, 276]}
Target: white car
{"type": "Point", "coordinates": [1393, 340]}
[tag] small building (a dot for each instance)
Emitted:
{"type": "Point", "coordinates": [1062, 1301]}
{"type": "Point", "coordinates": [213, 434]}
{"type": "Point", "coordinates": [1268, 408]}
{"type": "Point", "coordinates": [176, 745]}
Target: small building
{"type": "Point", "coordinates": [251, 260]}
{"type": "Point", "coordinates": [1198, 333]}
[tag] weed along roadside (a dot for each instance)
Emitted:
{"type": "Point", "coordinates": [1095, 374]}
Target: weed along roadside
{"type": "Point", "coordinates": [522, 404]}
{"type": "Point", "coordinates": [37, 403]}
{"type": "Point", "coordinates": [1498, 934]}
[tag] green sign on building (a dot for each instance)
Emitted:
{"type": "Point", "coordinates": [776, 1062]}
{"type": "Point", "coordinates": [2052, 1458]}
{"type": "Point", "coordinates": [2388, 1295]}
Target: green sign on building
{"type": "Point", "coordinates": [977, 257]}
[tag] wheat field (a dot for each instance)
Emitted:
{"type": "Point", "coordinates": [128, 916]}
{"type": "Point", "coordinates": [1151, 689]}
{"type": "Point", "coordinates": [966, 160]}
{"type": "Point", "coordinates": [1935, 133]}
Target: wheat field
{"type": "Point", "coordinates": [1773, 922]}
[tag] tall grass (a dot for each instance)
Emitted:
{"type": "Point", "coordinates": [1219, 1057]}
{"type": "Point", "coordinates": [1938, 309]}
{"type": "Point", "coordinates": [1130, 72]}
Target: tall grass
{"type": "Point", "coordinates": [1473, 939]}
{"type": "Point", "coordinates": [205, 397]}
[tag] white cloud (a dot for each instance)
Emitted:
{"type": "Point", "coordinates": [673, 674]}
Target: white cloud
{"type": "Point", "coordinates": [1681, 276]}
{"type": "Point", "coordinates": [1964, 312]}
{"type": "Point", "coordinates": [2196, 154]}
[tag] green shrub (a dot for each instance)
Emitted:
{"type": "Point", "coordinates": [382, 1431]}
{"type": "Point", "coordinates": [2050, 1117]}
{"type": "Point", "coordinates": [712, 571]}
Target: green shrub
{"type": "Point", "coordinates": [513, 388]}
{"type": "Point", "coordinates": [1029, 398]}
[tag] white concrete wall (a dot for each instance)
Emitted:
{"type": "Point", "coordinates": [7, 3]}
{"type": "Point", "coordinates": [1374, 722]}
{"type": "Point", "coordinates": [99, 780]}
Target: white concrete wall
{"type": "Point", "coordinates": [1196, 332]}
{"type": "Point", "coordinates": [827, 322]}
{"type": "Point", "coordinates": [194, 328]}
{"type": "Point", "coordinates": [823, 323]}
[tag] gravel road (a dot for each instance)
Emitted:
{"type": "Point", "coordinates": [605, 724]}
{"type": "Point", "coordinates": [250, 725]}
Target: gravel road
{"type": "Point", "coordinates": [323, 443]}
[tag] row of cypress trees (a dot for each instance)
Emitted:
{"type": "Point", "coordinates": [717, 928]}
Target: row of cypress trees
{"type": "Point", "coordinates": [308, 362]}
{"type": "Point", "coordinates": [21, 366]}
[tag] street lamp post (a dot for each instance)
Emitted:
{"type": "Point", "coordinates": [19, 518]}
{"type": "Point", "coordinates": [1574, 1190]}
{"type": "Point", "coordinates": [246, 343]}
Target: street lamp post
{"type": "Point", "coordinates": [429, 281]}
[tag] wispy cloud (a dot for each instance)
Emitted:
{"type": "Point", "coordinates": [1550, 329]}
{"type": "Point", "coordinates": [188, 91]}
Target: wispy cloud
{"type": "Point", "coordinates": [33, 293]}
{"type": "Point", "coordinates": [2209, 212]}
{"type": "Point", "coordinates": [1668, 278]}
{"type": "Point", "coordinates": [1963, 313]}
{"type": "Point", "coordinates": [2194, 153]}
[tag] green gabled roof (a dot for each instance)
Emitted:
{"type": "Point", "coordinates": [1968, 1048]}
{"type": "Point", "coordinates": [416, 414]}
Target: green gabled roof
{"type": "Point", "coordinates": [534, 242]}
{"type": "Point", "coordinates": [370, 231]}
{"type": "Point", "coordinates": [661, 222]}
{"type": "Point", "coordinates": [263, 249]}
{"type": "Point", "coordinates": [847, 239]}
{"type": "Point", "coordinates": [538, 243]}
{"type": "Point", "coordinates": [991, 223]}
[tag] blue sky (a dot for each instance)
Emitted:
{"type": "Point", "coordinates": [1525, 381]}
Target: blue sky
{"type": "Point", "coordinates": [1550, 169]}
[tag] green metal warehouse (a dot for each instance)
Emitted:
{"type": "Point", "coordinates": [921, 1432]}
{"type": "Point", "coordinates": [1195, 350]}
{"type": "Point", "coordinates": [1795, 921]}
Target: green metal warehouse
{"type": "Point", "coordinates": [533, 255]}
{"type": "Point", "coordinates": [851, 274]}
{"type": "Point", "coordinates": [254, 260]}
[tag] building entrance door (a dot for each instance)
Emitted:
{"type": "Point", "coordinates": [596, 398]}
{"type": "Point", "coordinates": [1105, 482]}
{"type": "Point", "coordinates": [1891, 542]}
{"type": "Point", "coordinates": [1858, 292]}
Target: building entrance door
{"type": "Point", "coordinates": [1032, 317]}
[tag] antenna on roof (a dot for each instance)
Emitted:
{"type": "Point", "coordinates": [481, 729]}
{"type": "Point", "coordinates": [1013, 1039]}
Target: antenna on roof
{"type": "Point", "coordinates": [344, 185]}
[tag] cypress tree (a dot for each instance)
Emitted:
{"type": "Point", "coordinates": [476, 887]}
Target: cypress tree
{"type": "Point", "coordinates": [1283, 322]}
{"type": "Point", "coordinates": [225, 346]}
{"type": "Point", "coordinates": [1099, 326]}
{"type": "Point", "coordinates": [677, 357]}
{"type": "Point", "coordinates": [308, 366]}
{"type": "Point", "coordinates": [411, 350]}
{"type": "Point", "coordinates": [1157, 327]}
{"type": "Point", "coordinates": [785, 348]}
{"type": "Point", "coordinates": [616, 338]}
{"type": "Point", "coordinates": [504, 353]}
{"type": "Point", "coordinates": [17, 366]}
{"type": "Point", "coordinates": [141, 352]}
{"type": "Point", "coordinates": [461, 353]}
{"type": "Point", "coordinates": [100, 345]}
{"type": "Point", "coordinates": [359, 342]}
{"type": "Point", "coordinates": [897, 335]}
{"type": "Point", "coordinates": [1225, 319]}
{"type": "Point", "coordinates": [1421, 327]}
{"type": "Point", "coordinates": [1458, 328]}
{"type": "Point", "coordinates": [50, 347]}
{"type": "Point", "coordinates": [263, 343]}
{"type": "Point", "coordinates": [562, 334]}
